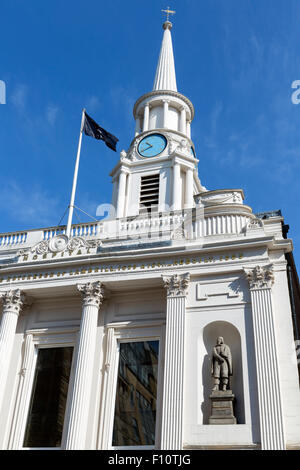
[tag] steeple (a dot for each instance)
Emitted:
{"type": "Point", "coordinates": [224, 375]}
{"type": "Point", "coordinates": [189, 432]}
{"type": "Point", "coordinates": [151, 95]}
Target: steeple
{"type": "Point", "coordinates": [165, 77]}
{"type": "Point", "coordinates": [164, 107]}
{"type": "Point", "coordinates": [159, 170]}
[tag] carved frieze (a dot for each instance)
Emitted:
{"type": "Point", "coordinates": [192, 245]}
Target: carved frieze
{"type": "Point", "coordinates": [254, 224]}
{"type": "Point", "coordinates": [61, 243]}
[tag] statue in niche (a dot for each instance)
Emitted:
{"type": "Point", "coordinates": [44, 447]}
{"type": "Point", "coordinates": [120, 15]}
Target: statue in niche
{"type": "Point", "coordinates": [221, 368]}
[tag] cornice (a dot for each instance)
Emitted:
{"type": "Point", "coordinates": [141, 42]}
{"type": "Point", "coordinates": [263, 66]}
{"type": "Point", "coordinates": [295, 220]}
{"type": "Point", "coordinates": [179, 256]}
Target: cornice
{"type": "Point", "coordinates": [227, 262]}
{"type": "Point", "coordinates": [192, 248]}
{"type": "Point", "coordinates": [215, 192]}
{"type": "Point", "coordinates": [228, 209]}
{"type": "Point", "coordinates": [272, 220]}
{"type": "Point", "coordinates": [171, 93]}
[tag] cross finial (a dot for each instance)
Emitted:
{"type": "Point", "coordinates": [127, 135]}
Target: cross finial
{"type": "Point", "coordinates": [168, 12]}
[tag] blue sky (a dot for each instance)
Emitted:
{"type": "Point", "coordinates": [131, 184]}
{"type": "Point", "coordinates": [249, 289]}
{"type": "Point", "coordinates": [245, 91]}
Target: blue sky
{"type": "Point", "coordinates": [235, 60]}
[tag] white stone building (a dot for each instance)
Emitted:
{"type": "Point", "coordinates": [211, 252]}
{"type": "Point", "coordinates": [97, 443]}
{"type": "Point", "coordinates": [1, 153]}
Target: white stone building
{"type": "Point", "coordinates": [106, 336]}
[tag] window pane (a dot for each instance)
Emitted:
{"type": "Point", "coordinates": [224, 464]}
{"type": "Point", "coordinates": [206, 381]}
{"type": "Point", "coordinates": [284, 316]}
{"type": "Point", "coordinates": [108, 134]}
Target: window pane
{"type": "Point", "coordinates": [49, 395]}
{"type": "Point", "coordinates": [135, 411]}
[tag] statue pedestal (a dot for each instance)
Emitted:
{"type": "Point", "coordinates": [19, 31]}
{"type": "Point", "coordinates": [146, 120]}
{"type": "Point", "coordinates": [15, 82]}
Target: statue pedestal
{"type": "Point", "coordinates": [222, 407]}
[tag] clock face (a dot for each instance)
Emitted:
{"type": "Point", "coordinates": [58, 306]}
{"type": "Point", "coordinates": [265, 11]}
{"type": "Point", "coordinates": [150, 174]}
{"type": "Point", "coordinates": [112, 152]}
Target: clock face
{"type": "Point", "coordinates": [152, 145]}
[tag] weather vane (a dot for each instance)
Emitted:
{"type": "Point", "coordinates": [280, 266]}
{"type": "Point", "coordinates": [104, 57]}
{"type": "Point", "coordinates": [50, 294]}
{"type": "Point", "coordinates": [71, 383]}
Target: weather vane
{"type": "Point", "coordinates": [168, 12]}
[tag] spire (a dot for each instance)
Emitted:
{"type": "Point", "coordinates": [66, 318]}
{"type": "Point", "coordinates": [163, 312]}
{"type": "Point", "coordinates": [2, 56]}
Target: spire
{"type": "Point", "coordinates": [165, 77]}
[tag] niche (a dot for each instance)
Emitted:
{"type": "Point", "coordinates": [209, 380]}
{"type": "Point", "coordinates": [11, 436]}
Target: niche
{"type": "Point", "coordinates": [232, 338]}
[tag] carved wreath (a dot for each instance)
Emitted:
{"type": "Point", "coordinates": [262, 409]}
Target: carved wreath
{"type": "Point", "coordinates": [61, 243]}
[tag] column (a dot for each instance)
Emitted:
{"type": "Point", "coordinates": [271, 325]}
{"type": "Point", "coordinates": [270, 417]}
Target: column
{"type": "Point", "coordinates": [146, 117]}
{"type": "Point", "coordinates": [189, 183]}
{"type": "Point", "coordinates": [176, 187]}
{"type": "Point", "coordinates": [182, 126]}
{"type": "Point", "coordinates": [172, 407]}
{"type": "Point", "coordinates": [92, 294]}
{"type": "Point", "coordinates": [268, 381]}
{"type": "Point", "coordinates": [121, 194]}
{"type": "Point", "coordinates": [137, 126]}
{"type": "Point", "coordinates": [188, 129]}
{"type": "Point", "coordinates": [13, 301]}
{"type": "Point", "coordinates": [165, 115]}
{"type": "Point", "coordinates": [108, 397]}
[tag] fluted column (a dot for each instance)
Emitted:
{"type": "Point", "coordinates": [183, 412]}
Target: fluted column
{"type": "Point", "coordinates": [172, 407]}
{"type": "Point", "coordinates": [107, 396]}
{"type": "Point", "coordinates": [13, 301]}
{"type": "Point", "coordinates": [189, 182]}
{"type": "Point", "coordinates": [146, 117]}
{"type": "Point", "coordinates": [121, 194]}
{"type": "Point", "coordinates": [92, 294]}
{"type": "Point", "coordinates": [176, 187]}
{"type": "Point", "coordinates": [268, 381]}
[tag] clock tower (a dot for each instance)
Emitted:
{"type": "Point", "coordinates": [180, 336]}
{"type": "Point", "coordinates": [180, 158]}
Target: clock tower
{"type": "Point", "coordinates": [158, 172]}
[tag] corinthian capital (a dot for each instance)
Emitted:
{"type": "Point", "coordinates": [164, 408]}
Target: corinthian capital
{"type": "Point", "coordinates": [260, 277]}
{"type": "Point", "coordinates": [177, 284]}
{"type": "Point", "coordinates": [92, 293]}
{"type": "Point", "coordinates": [13, 301]}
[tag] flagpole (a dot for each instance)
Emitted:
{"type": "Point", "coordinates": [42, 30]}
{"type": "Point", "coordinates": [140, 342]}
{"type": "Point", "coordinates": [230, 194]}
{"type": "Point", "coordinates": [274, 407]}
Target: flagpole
{"type": "Point", "coordinates": [72, 200]}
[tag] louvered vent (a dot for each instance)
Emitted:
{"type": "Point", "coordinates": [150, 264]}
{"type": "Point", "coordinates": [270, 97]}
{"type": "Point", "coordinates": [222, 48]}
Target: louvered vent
{"type": "Point", "coordinates": [149, 195]}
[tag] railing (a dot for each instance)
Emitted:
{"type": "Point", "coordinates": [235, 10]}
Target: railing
{"type": "Point", "coordinates": [31, 237]}
{"type": "Point", "coordinates": [155, 223]}
{"type": "Point", "coordinates": [220, 225]}
{"type": "Point", "coordinates": [80, 230]}
{"type": "Point", "coordinates": [195, 224]}
{"type": "Point", "coordinates": [18, 238]}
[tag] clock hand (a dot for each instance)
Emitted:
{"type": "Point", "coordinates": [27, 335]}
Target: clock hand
{"type": "Point", "coordinates": [147, 148]}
